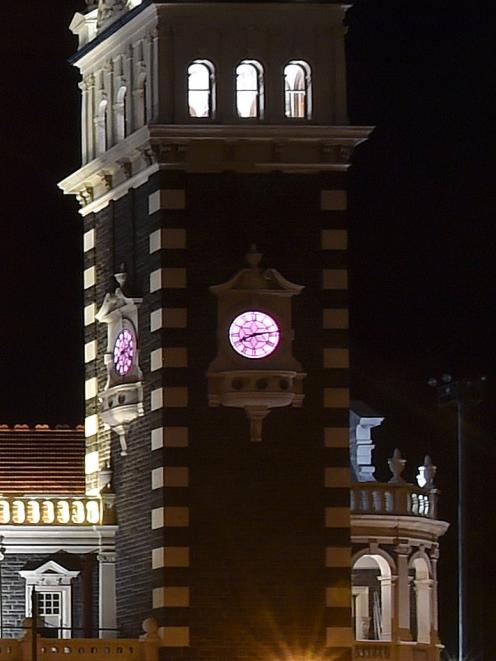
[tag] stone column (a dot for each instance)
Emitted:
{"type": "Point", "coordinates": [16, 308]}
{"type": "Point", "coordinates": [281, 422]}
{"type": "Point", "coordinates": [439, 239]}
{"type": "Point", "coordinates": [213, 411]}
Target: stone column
{"type": "Point", "coordinates": [83, 86]}
{"type": "Point", "coordinates": [90, 108]}
{"type": "Point", "coordinates": [128, 76]}
{"type": "Point", "coordinates": [107, 614]}
{"type": "Point", "coordinates": [423, 588]}
{"type": "Point", "coordinates": [403, 593]}
{"type": "Point", "coordinates": [108, 86]}
{"type": "Point", "coordinates": [154, 76]}
{"type": "Point", "coordinates": [434, 555]}
{"type": "Point", "coordinates": [149, 91]}
{"type": "Point", "coordinates": [387, 605]}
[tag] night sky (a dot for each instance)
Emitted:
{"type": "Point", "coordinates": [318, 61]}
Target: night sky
{"type": "Point", "coordinates": [422, 236]}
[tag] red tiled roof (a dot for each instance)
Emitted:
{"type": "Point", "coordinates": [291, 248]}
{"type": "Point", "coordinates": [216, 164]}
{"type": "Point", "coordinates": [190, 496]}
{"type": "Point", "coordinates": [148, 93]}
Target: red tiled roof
{"type": "Point", "coordinates": [41, 460]}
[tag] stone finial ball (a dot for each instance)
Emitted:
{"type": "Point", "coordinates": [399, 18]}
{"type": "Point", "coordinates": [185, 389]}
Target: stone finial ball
{"type": "Point", "coordinates": [150, 627]}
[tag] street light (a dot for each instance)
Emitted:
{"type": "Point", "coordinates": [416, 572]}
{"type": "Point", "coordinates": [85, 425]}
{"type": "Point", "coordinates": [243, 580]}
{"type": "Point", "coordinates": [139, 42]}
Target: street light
{"type": "Point", "coordinates": [463, 395]}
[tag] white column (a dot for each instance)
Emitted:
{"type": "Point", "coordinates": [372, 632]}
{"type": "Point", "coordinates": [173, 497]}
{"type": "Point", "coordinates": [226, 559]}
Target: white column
{"type": "Point", "coordinates": [90, 139]}
{"type": "Point", "coordinates": [423, 592]}
{"type": "Point", "coordinates": [129, 78]}
{"type": "Point", "coordinates": [434, 597]}
{"type": "Point", "coordinates": [147, 56]}
{"type": "Point", "coordinates": [387, 605]}
{"type": "Point", "coordinates": [83, 86]}
{"type": "Point", "coordinates": [109, 90]}
{"type": "Point", "coordinates": [154, 84]}
{"type": "Point", "coordinates": [403, 593]}
{"type": "Point", "coordinates": [107, 614]}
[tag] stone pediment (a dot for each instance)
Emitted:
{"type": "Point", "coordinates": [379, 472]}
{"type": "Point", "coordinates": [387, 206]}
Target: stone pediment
{"type": "Point", "coordinates": [256, 279]}
{"type": "Point", "coordinates": [49, 573]}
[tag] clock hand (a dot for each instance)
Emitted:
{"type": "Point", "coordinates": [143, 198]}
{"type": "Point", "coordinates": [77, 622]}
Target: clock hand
{"type": "Point", "coordinates": [247, 337]}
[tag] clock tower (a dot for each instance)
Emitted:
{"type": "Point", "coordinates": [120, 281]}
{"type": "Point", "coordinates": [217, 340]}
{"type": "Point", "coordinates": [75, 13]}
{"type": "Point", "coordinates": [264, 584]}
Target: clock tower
{"type": "Point", "coordinates": [208, 127]}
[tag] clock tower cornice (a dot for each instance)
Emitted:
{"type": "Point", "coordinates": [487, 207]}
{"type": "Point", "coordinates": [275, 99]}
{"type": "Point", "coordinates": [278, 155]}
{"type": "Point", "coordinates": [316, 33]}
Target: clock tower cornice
{"type": "Point", "coordinates": [131, 162]}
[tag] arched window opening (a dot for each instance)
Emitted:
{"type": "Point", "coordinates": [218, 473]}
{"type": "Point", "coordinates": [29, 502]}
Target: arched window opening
{"type": "Point", "coordinates": [297, 90]}
{"type": "Point", "coordinates": [201, 84]}
{"type": "Point", "coordinates": [121, 114]}
{"type": "Point", "coordinates": [420, 601]}
{"type": "Point", "coordinates": [249, 89]}
{"type": "Point", "coordinates": [372, 598]}
{"type": "Point", "coordinates": [101, 128]}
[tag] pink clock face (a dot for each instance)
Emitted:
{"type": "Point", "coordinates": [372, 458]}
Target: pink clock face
{"type": "Point", "coordinates": [124, 351]}
{"type": "Point", "coordinates": [254, 334]}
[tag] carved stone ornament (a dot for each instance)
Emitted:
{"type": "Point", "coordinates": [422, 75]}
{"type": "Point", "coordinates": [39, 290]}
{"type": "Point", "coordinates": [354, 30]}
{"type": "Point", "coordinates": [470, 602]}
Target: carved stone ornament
{"type": "Point", "coordinates": [109, 10]}
{"type": "Point", "coordinates": [426, 474]}
{"type": "Point", "coordinates": [122, 399]}
{"type": "Point", "coordinates": [397, 466]}
{"type": "Point", "coordinates": [254, 368]}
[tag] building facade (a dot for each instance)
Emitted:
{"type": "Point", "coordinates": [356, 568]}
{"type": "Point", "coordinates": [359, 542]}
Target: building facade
{"type": "Point", "coordinates": [213, 193]}
{"type": "Point", "coordinates": [54, 538]}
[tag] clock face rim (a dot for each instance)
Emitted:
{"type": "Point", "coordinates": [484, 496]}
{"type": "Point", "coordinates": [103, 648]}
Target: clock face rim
{"type": "Point", "coordinates": [265, 348]}
{"type": "Point", "coordinates": [131, 354]}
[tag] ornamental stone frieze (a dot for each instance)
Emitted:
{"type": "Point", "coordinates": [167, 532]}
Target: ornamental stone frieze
{"type": "Point", "coordinates": [109, 11]}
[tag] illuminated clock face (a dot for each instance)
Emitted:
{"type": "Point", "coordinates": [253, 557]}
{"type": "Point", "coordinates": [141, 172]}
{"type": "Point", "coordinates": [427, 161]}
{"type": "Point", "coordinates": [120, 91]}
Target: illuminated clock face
{"type": "Point", "coordinates": [124, 351]}
{"type": "Point", "coordinates": [254, 334]}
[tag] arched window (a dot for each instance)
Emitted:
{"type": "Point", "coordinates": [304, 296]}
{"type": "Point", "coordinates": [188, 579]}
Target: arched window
{"type": "Point", "coordinates": [297, 90]}
{"type": "Point", "coordinates": [372, 598]}
{"type": "Point", "coordinates": [249, 89]}
{"type": "Point", "coordinates": [121, 114]}
{"type": "Point", "coordinates": [201, 89]}
{"type": "Point", "coordinates": [101, 128]}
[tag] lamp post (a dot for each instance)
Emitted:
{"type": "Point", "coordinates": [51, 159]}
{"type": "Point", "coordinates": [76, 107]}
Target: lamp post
{"type": "Point", "coordinates": [463, 395]}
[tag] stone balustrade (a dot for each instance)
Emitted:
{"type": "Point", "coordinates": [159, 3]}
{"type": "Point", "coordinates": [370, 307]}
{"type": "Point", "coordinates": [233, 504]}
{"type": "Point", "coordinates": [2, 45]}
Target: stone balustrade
{"type": "Point", "coordinates": [43, 511]}
{"type": "Point", "coordinates": [372, 651]}
{"type": "Point", "coordinates": [394, 499]}
{"type": "Point", "coordinates": [82, 649]}
{"type": "Point", "coordinates": [395, 652]}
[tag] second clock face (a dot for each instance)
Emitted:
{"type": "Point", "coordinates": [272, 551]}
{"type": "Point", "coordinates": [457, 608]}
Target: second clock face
{"type": "Point", "coordinates": [254, 334]}
{"type": "Point", "coordinates": [124, 351]}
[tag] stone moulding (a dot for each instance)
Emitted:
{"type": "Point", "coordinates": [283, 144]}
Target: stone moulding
{"type": "Point", "coordinates": [307, 148]}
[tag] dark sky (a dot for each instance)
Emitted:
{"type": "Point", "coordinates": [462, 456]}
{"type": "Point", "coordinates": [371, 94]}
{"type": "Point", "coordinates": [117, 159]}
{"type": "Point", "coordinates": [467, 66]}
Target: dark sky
{"type": "Point", "coordinates": [422, 232]}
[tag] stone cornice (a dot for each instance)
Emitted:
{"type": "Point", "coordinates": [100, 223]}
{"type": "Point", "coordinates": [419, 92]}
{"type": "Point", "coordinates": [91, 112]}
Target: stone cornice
{"type": "Point", "coordinates": [129, 22]}
{"type": "Point", "coordinates": [286, 148]}
{"type": "Point", "coordinates": [46, 539]}
{"type": "Point", "coordinates": [394, 527]}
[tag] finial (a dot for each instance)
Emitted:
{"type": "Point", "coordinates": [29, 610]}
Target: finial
{"type": "Point", "coordinates": [253, 257]}
{"type": "Point", "coordinates": [426, 474]}
{"type": "Point", "coordinates": [121, 276]}
{"type": "Point", "coordinates": [396, 465]}
{"type": "Point", "coordinates": [150, 627]}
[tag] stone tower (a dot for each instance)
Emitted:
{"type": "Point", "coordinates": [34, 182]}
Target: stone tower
{"type": "Point", "coordinates": [217, 389]}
